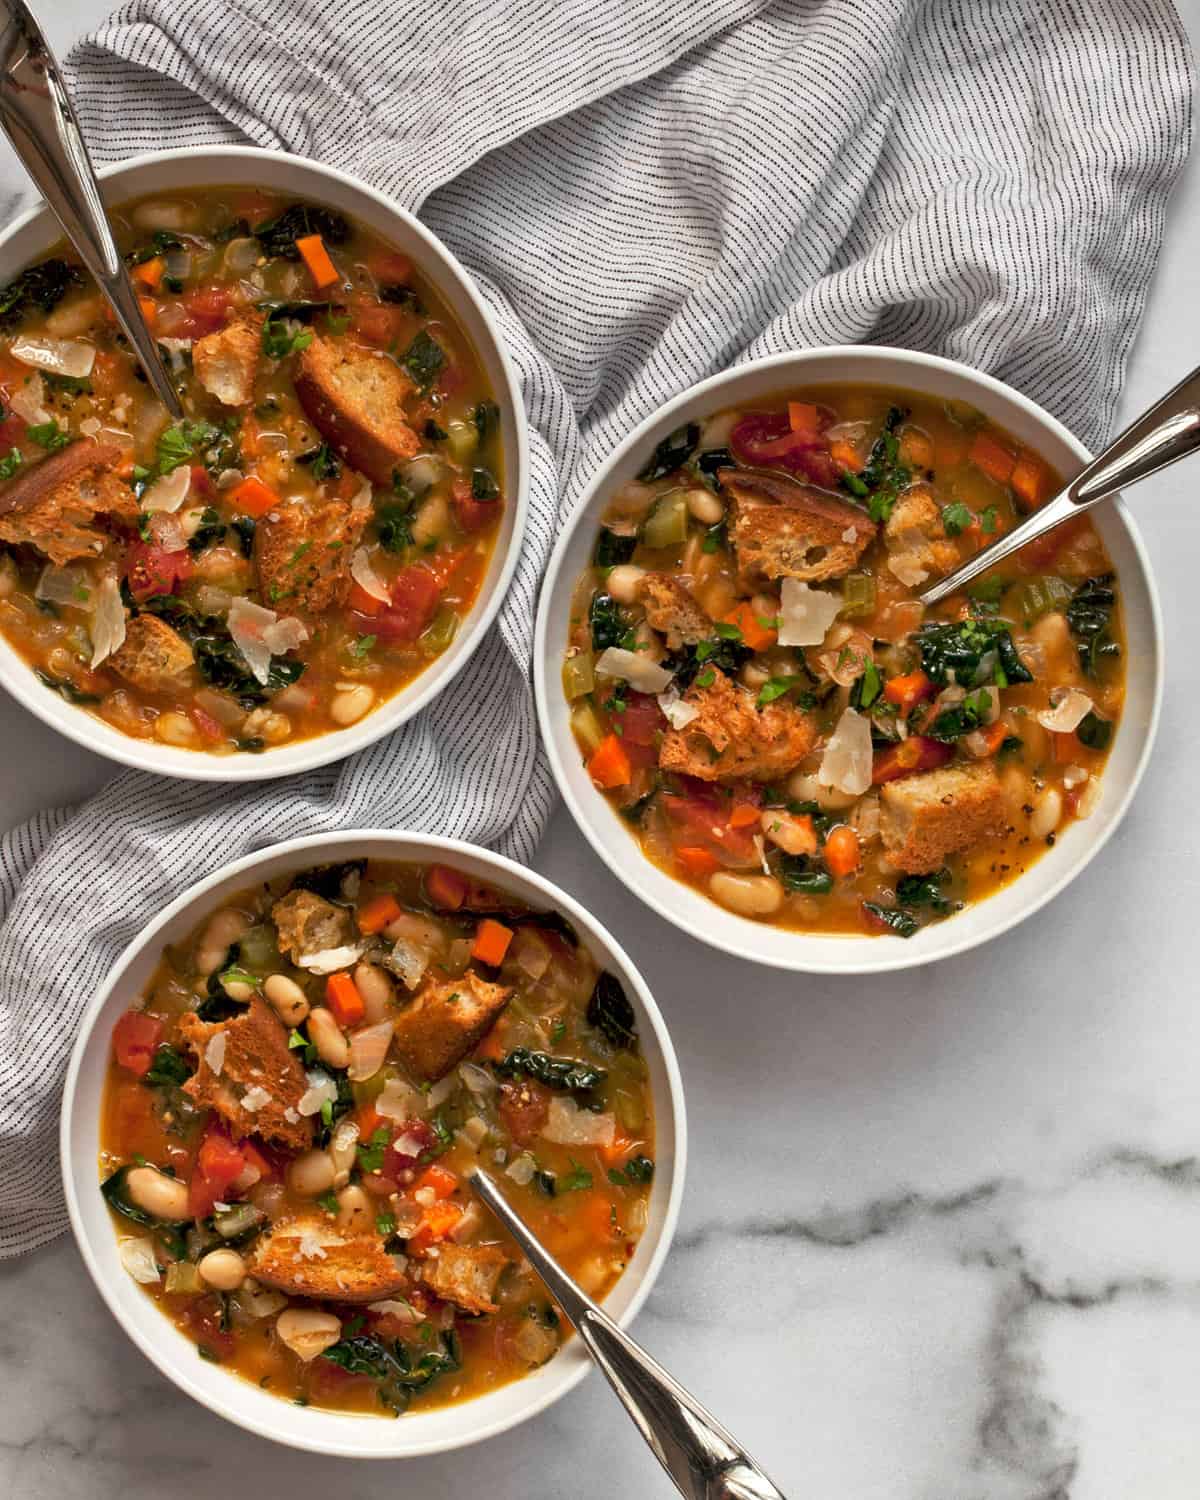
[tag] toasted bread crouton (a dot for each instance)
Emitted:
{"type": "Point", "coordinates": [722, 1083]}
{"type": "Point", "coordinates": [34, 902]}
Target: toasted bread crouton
{"type": "Point", "coordinates": [784, 529]}
{"type": "Point", "coordinates": [465, 1275]}
{"type": "Point", "coordinates": [226, 362]}
{"type": "Point", "coordinates": [732, 738]}
{"type": "Point", "coordinates": [307, 923]}
{"type": "Point", "coordinates": [259, 1081]}
{"type": "Point", "coordinates": [444, 1021]}
{"type": "Point", "coordinates": [54, 505]}
{"type": "Point", "coordinates": [355, 397]}
{"type": "Point", "coordinates": [671, 610]}
{"type": "Point", "coordinates": [152, 655]}
{"type": "Point", "coordinates": [303, 554]}
{"type": "Point", "coordinates": [916, 539]}
{"type": "Point", "coordinates": [309, 1257]}
{"type": "Point", "coordinates": [924, 818]}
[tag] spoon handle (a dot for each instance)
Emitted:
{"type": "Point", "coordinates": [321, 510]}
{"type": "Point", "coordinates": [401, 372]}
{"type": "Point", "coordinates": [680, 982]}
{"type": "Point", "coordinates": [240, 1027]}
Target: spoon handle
{"type": "Point", "coordinates": [1169, 431]}
{"type": "Point", "coordinates": [37, 116]}
{"type": "Point", "coordinates": [696, 1451]}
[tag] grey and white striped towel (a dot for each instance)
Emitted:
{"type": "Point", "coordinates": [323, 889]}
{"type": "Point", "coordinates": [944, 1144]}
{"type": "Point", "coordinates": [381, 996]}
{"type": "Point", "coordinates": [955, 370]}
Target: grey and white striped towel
{"type": "Point", "coordinates": [647, 192]}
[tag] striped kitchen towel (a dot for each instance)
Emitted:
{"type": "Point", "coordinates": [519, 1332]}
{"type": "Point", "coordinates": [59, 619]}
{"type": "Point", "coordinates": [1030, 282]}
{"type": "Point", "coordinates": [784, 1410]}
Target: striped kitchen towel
{"type": "Point", "coordinates": [647, 192]}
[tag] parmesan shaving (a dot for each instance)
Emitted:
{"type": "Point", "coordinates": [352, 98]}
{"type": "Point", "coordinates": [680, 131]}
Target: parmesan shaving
{"type": "Point", "coordinates": [366, 577]}
{"type": "Point", "coordinates": [848, 759]}
{"type": "Point", "coordinates": [330, 960]}
{"type": "Point", "coordinates": [108, 620]}
{"type": "Point", "coordinates": [214, 1052]}
{"type": "Point", "coordinates": [805, 614]}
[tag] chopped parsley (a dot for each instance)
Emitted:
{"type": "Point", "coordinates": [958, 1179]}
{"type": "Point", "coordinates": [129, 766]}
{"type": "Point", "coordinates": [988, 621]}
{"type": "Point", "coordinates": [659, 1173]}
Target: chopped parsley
{"type": "Point", "coordinates": [282, 336]}
{"type": "Point", "coordinates": [956, 518]}
{"type": "Point", "coordinates": [48, 435]}
{"type": "Point", "coordinates": [10, 463]}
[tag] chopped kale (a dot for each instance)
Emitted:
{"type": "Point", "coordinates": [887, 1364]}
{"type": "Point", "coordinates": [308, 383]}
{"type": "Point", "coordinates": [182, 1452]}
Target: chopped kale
{"type": "Point", "coordinates": [884, 476]}
{"type": "Point", "coordinates": [925, 890]}
{"type": "Point", "coordinates": [211, 529]}
{"type": "Point", "coordinates": [1095, 732]}
{"type": "Point", "coordinates": [279, 338]}
{"type": "Point", "coordinates": [65, 688]}
{"type": "Point", "coordinates": [709, 463]}
{"type": "Point", "coordinates": [424, 360]}
{"type": "Point", "coordinates": [245, 526]}
{"type": "Point", "coordinates": [483, 485]}
{"type": "Point", "coordinates": [278, 236]}
{"type": "Point", "coordinates": [167, 1067]}
{"type": "Point", "coordinates": [434, 433]}
{"type": "Point", "coordinates": [799, 873]}
{"type": "Point", "coordinates": [116, 1194]}
{"type": "Point", "coordinates": [394, 525]}
{"type": "Point", "coordinates": [337, 883]}
{"type": "Point", "coordinates": [566, 1074]}
{"type": "Point", "coordinates": [672, 453]}
{"type": "Point", "coordinates": [1089, 615]}
{"type": "Point", "coordinates": [159, 243]}
{"type": "Point", "coordinates": [324, 462]}
{"type": "Point", "coordinates": [612, 548]}
{"type": "Point", "coordinates": [961, 718]}
{"type": "Point", "coordinates": [42, 287]}
{"type": "Point", "coordinates": [610, 1012]}
{"type": "Point", "coordinates": [486, 417]}
{"type": "Point", "coordinates": [901, 922]}
{"type": "Point", "coordinates": [963, 652]}
{"type": "Point", "coordinates": [391, 1365]}
{"type": "Point", "coordinates": [636, 1170]}
{"type": "Point", "coordinates": [696, 663]}
{"type": "Point", "coordinates": [222, 666]}
{"type": "Point", "coordinates": [608, 622]}
{"type": "Point", "coordinates": [400, 295]}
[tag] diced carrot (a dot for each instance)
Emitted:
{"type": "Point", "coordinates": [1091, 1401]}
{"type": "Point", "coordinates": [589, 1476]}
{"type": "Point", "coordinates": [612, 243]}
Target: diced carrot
{"type": "Point", "coordinates": [149, 311]}
{"type": "Point", "coordinates": [992, 457]}
{"type": "Point", "coordinates": [368, 1119]}
{"type": "Point", "coordinates": [841, 850]}
{"type": "Point", "coordinates": [491, 942]}
{"type": "Point", "coordinates": [436, 1223]}
{"type": "Point", "coordinates": [609, 767]}
{"type": "Point", "coordinates": [950, 451]}
{"type": "Point", "coordinates": [1066, 746]}
{"type": "Point", "coordinates": [744, 814]}
{"type": "Point", "coordinates": [1038, 554]}
{"type": "Point", "coordinates": [696, 862]}
{"type": "Point", "coordinates": [358, 599]}
{"type": "Point", "coordinates": [991, 737]}
{"type": "Point", "coordinates": [599, 1214]}
{"type": "Point", "coordinates": [390, 267]}
{"type": "Point", "coordinates": [150, 272]}
{"type": "Point", "coordinates": [617, 1149]}
{"type": "Point", "coordinates": [446, 888]}
{"type": "Point", "coordinates": [845, 455]}
{"type": "Point", "coordinates": [375, 914]}
{"type": "Point", "coordinates": [803, 416]}
{"type": "Point", "coordinates": [343, 999]}
{"type": "Point", "coordinates": [323, 271]}
{"type": "Point", "coordinates": [492, 1046]}
{"type": "Point", "coordinates": [440, 1179]}
{"type": "Point", "coordinates": [1029, 481]}
{"type": "Point", "coordinates": [906, 692]}
{"type": "Point", "coordinates": [916, 448]}
{"type": "Point", "coordinates": [755, 634]}
{"type": "Point", "coordinates": [252, 497]}
{"type": "Point", "coordinates": [916, 753]}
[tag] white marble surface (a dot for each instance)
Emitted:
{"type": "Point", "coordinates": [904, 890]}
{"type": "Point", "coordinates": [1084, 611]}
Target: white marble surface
{"type": "Point", "coordinates": [941, 1239]}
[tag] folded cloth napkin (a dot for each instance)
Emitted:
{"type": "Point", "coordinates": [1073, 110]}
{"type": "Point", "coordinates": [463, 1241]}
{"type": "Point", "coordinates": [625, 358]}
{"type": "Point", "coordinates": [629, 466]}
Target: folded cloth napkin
{"type": "Point", "coordinates": [647, 192]}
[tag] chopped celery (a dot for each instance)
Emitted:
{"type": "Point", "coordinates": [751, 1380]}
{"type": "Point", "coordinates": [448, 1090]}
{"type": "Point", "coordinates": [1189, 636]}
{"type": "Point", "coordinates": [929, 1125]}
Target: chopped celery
{"type": "Point", "coordinates": [183, 1278]}
{"type": "Point", "coordinates": [666, 525]}
{"type": "Point", "coordinates": [1035, 597]}
{"type": "Point", "coordinates": [586, 726]}
{"type": "Point", "coordinates": [462, 439]}
{"type": "Point", "coordinates": [858, 594]}
{"type": "Point", "coordinates": [440, 632]}
{"type": "Point", "coordinates": [577, 675]}
{"type": "Point", "coordinates": [258, 951]}
{"type": "Point", "coordinates": [629, 1110]}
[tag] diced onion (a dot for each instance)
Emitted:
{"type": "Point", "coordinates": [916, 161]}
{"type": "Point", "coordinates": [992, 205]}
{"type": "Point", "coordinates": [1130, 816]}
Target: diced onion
{"type": "Point", "coordinates": [1066, 714]}
{"type": "Point", "coordinates": [368, 1048]}
{"type": "Point", "coordinates": [67, 585]}
{"type": "Point", "coordinates": [241, 255]}
{"type": "Point", "coordinates": [260, 1303]}
{"type": "Point", "coordinates": [403, 1312]}
{"type": "Point", "coordinates": [330, 960]}
{"type": "Point", "coordinates": [320, 1089]}
{"type": "Point", "coordinates": [362, 498]}
{"type": "Point", "coordinates": [521, 1170]}
{"type": "Point", "coordinates": [642, 675]}
{"type": "Point", "coordinates": [107, 627]}
{"type": "Point", "coordinates": [805, 614]}
{"type": "Point", "coordinates": [168, 492]}
{"type": "Point", "coordinates": [71, 357]}
{"type": "Point", "coordinates": [441, 1091]}
{"type": "Point", "coordinates": [568, 1125]}
{"type": "Point", "coordinates": [1088, 799]}
{"type": "Point", "coordinates": [28, 401]}
{"type": "Point", "coordinates": [847, 762]}
{"type": "Point", "coordinates": [398, 1100]}
{"type": "Point", "coordinates": [366, 577]}
{"type": "Point", "coordinates": [477, 1079]}
{"type": "Point", "coordinates": [676, 711]}
{"type": "Point", "coordinates": [138, 1258]}
{"type": "Point", "coordinates": [1074, 776]}
{"type": "Point", "coordinates": [907, 568]}
{"type": "Point", "coordinates": [407, 962]}
{"type": "Point", "coordinates": [260, 634]}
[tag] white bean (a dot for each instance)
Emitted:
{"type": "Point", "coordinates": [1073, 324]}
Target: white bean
{"type": "Point", "coordinates": [157, 1194]}
{"type": "Point", "coordinates": [326, 1036]}
{"type": "Point", "coordinates": [343, 1149]}
{"type": "Point", "coordinates": [431, 520]}
{"type": "Point", "coordinates": [1047, 813]}
{"type": "Point", "coordinates": [223, 930]}
{"type": "Point", "coordinates": [705, 506]}
{"type": "Point", "coordinates": [355, 1214]}
{"type": "Point", "coordinates": [175, 729]}
{"type": "Point", "coordinates": [287, 999]}
{"type": "Point", "coordinates": [806, 788]}
{"type": "Point", "coordinates": [623, 582]}
{"type": "Point", "coordinates": [308, 1332]}
{"type": "Point", "coordinates": [311, 1174]}
{"type": "Point", "coordinates": [754, 675]}
{"type": "Point", "coordinates": [748, 895]}
{"type": "Point", "coordinates": [238, 989]}
{"type": "Point", "coordinates": [349, 706]}
{"type": "Point", "coordinates": [225, 1270]}
{"type": "Point", "coordinates": [375, 987]}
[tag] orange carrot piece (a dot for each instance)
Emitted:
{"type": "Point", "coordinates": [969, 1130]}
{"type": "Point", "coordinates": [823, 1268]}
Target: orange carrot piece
{"type": "Point", "coordinates": [150, 272]}
{"type": "Point", "coordinates": [436, 1223]}
{"type": "Point", "coordinates": [609, 767]}
{"type": "Point", "coordinates": [343, 999]}
{"type": "Point", "coordinates": [1029, 481]}
{"type": "Point", "coordinates": [492, 1046]}
{"type": "Point", "coordinates": [440, 1179]}
{"type": "Point", "coordinates": [744, 814]}
{"type": "Point", "coordinates": [992, 457]}
{"type": "Point", "coordinates": [916, 448]}
{"type": "Point", "coordinates": [993, 736]}
{"type": "Point", "coordinates": [323, 271]}
{"type": "Point", "coordinates": [599, 1214]}
{"type": "Point", "coordinates": [695, 861]}
{"type": "Point", "coordinates": [618, 1149]}
{"type": "Point", "coordinates": [841, 850]}
{"type": "Point", "coordinates": [446, 888]}
{"type": "Point", "coordinates": [375, 914]}
{"type": "Point", "coordinates": [253, 497]}
{"type": "Point", "coordinates": [491, 942]}
{"type": "Point", "coordinates": [755, 634]}
{"type": "Point", "coordinates": [906, 692]}
{"type": "Point", "coordinates": [845, 455]}
{"type": "Point", "coordinates": [802, 416]}
{"type": "Point", "coordinates": [1066, 746]}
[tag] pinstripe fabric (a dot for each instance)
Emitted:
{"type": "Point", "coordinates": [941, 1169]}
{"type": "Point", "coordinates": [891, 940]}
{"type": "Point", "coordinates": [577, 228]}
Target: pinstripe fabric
{"type": "Point", "coordinates": [647, 192]}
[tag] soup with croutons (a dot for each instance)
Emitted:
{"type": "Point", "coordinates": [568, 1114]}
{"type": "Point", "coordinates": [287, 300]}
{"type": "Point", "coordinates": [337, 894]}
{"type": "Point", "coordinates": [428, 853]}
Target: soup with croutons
{"type": "Point", "coordinates": [294, 1103]}
{"type": "Point", "coordinates": [758, 691]}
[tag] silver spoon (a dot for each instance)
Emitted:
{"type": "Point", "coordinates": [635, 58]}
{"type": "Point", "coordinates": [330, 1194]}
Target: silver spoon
{"type": "Point", "coordinates": [37, 117]}
{"type": "Point", "coordinates": [1169, 431]}
{"type": "Point", "coordinates": [700, 1456]}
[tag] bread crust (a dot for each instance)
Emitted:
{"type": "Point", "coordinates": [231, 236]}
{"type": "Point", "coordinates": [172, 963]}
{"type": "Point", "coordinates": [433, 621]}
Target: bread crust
{"type": "Point", "coordinates": [445, 1021]}
{"type": "Point", "coordinates": [355, 397]}
{"type": "Point", "coordinates": [785, 529]}
{"type": "Point", "coordinates": [465, 1275]}
{"type": "Point", "coordinates": [152, 655]}
{"type": "Point", "coordinates": [732, 739]}
{"type": "Point", "coordinates": [309, 1257]}
{"type": "Point", "coordinates": [226, 362]}
{"type": "Point", "coordinates": [303, 554]}
{"type": "Point", "coordinates": [671, 610]}
{"type": "Point", "coordinates": [54, 505]}
{"type": "Point", "coordinates": [307, 923]}
{"type": "Point", "coordinates": [925, 818]}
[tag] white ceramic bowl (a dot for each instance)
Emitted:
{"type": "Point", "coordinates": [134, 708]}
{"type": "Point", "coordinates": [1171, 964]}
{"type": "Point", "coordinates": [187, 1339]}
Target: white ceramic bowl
{"type": "Point", "coordinates": [816, 953]}
{"type": "Point", "coordinates": [229, 1395]}
{"type": "Point", "coordinates": [30, 237]}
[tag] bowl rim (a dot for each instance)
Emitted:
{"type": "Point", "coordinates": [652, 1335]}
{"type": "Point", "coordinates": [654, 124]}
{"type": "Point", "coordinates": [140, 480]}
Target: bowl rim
{"type": "Point", "coordinates": [419, 847]}
{"type": "Point", "coordinates": [804, 366]}
{"type": "Point", "coordinates": [334, 745]}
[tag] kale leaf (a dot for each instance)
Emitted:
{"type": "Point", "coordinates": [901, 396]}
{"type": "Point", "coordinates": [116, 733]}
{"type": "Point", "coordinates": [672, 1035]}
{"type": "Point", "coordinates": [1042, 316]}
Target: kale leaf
{"type": "Point", "coordinates": [612, 548]}
{"type": "Point", "coordinates": [337, 883]}
{"type": "Point", "coordinates": [608, 623]}
{"type": "Point", "coordinates": [955, 653]}
{"type": "Point", "coordinates": [278, 236]}
{"type": "Point", "coordinates": [566, 1074]}
{"type": "Point", "coordinates": [42, 287]}
{"type": "Point", "coordinates": [884, 476]}
{"type": "Point", "coordinates": [901, 922]}
{"type": "Point", "coordinates": [222, 666]}
{"type": "Point", "coordinates": [211, 529]}
{"type": "Point", "coordinates": [1089, 615]}
{"type": "Point", "coordinates": [610, 1012]}
{"type": "Point", "coordinates": [672, 453]}
{"type": "Point", "coordinates": [390, 1364]}
{"type": "Point", "coordinates": [424, 360]}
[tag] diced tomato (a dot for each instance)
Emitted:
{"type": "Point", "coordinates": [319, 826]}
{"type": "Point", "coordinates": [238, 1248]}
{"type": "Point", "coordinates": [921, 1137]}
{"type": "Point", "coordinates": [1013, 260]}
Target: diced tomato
{"type": "Point", "coordinates": [205, 310]}
{"type": "Point", "coordinates": [440, 1179]}
{"type": "Point", "coordinates": [203, 1315]}
{"type": "Point", "coordinates": [446, 888]}
{"type": "Point", "coordinates": [696, 862]}
{"type": "Point", "coordinates": [207, 725]}
{"type": "Point", "coordinates": [470, 513]}
{"type": "Point", "coordinates": [135, 1037]}
{"type": "Point", "coordinates": [202, 484]}
{"type": "Point", "coordinates": [420, 1133]}
{"type": "Point", "coordinates": [768, 439]}
{"type": "Point", "coordinates": [1042, 551]}
{"type": "Point", "coordinates": [643, 720]}
{"type": "Point", "coordinates": [917, 753]}
{"type": "Point", "coordinates": [218, 1158]}
{"type": "Point", "coordinates": [390, 267]}
{"type": "Point", "coordinates": [379, 323]}
{"type": "Point", "coordinates": [415, 595]}
{"type": "Point", "coordinates": [152, 570]}
{"type": "Point", "coordinates": [524, 1108]}
{"type": "Point", "coordinates": [258, 1158]}
{"type": "Point", "coordinates": [440, 1218]}
{"type": "Point", "coordinates": [12, 430]}
{"type": "Point", "coordinates": [363, 603]}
